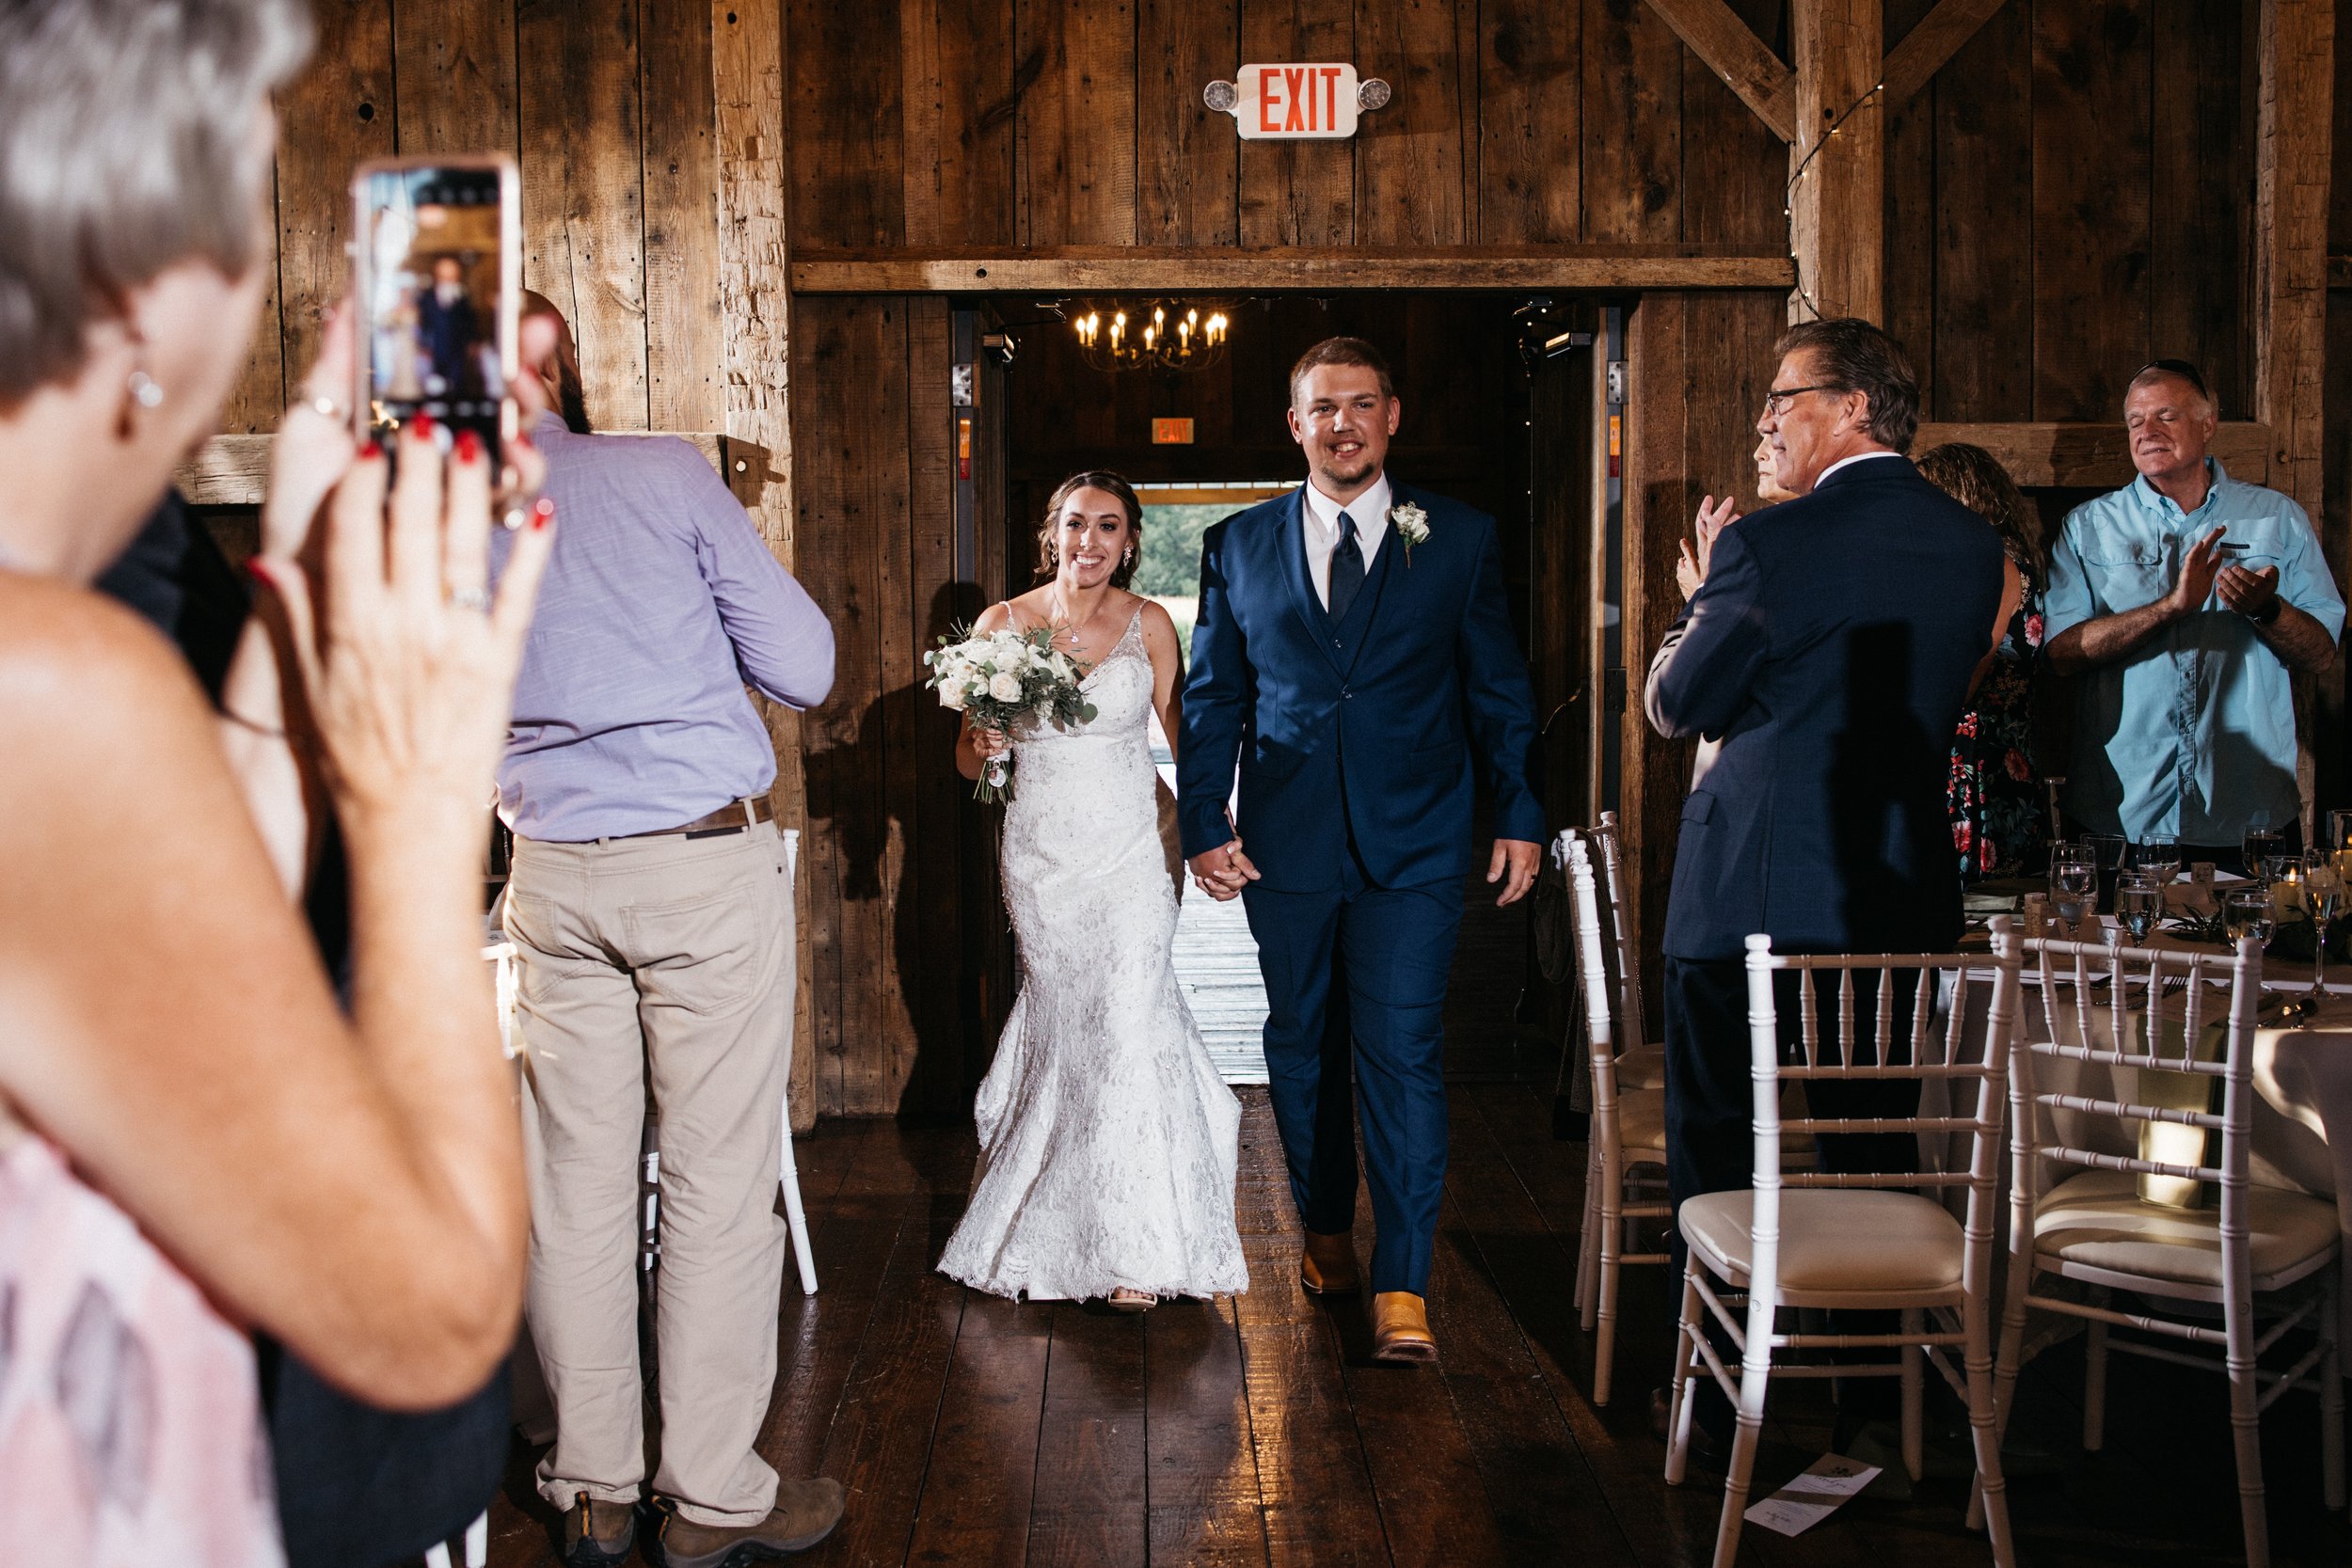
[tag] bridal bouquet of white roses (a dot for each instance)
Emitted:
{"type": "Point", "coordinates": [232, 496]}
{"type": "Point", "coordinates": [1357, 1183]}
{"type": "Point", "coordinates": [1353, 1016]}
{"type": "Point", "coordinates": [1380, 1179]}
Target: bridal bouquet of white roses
{"type": "Point", "coordinates": [999, 679]}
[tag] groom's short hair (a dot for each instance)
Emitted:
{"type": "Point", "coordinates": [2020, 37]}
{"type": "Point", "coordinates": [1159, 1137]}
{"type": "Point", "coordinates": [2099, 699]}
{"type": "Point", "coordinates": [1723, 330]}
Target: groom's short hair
{"type": "Point", "coordinates": [1344, 351]}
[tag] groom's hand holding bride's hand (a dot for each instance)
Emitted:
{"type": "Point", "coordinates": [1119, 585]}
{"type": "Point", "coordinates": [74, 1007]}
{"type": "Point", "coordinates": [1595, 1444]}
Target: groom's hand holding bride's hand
{"type": "Point", "coordinates": [1222, 873]}
{"type": "Point", "coordinates": [1518, 858]}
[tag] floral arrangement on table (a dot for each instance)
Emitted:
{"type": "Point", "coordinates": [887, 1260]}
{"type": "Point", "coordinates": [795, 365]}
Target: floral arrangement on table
{"type": "Point", "coordinates": [1002, 679]}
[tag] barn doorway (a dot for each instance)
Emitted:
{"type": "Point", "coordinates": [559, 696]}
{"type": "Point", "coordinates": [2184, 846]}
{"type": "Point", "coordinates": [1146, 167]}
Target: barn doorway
{"type": "Point", "coordinates": [1502, 410]}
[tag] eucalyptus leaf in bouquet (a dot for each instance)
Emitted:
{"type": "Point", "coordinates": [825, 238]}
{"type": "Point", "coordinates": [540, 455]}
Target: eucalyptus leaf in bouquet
{"type": "Point", "coordinates": [1003, 679]}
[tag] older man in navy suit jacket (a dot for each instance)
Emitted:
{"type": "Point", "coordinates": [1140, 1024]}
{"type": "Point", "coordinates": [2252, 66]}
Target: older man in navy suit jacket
{"type": "Point", "coordinates": [1353, 653]}
{"type": "Point", "coordinates": [1829, 650]}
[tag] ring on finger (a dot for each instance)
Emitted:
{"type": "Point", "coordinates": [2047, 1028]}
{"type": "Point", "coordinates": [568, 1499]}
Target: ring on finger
{"type": "Point", "coordinates": [319, 403]}
{"type": "Point", "coordinates": [475, 600]}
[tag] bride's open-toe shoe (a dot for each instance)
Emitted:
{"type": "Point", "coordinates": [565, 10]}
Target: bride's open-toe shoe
{"type": "Point", "coordinates": [1125, 1300]}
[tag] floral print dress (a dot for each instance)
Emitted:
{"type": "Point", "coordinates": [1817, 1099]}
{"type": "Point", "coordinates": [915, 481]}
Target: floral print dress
{"type": "Point", "coordinates": [2001, 818]}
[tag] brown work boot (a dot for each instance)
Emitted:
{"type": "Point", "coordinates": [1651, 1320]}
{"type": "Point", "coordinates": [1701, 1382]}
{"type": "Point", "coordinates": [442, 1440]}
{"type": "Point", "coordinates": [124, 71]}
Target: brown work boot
{"type": "Point", "coordinates": [1400, 1329]}
{"type": "Point", "coordinates": [597, 1534]}
{"type": "Point", "coordinates": [1328, 1266]}
{"type": "Point", "coordinates": [804, 1514]}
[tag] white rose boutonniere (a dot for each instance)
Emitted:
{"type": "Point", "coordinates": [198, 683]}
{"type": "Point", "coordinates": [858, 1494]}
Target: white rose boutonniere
{"type": "Point", "coordinates": [1412, 526]}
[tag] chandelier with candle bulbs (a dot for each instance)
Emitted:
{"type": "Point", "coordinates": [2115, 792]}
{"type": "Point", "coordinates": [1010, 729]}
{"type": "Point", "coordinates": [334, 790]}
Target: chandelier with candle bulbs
{"type": "Point", "coordinates": [1163, 335]}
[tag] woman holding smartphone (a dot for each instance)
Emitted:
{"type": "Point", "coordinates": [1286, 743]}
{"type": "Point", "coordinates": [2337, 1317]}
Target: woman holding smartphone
{"type": "Point", "coordinates": [194, 1141]}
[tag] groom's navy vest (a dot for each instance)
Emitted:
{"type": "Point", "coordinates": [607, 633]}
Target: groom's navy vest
{"type": "Point", "coordinates": [1356, 731]}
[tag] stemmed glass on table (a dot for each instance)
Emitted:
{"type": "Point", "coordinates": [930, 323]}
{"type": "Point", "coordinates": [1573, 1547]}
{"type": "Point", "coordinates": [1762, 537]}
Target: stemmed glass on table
{"type": "Point", "coordinates": [2138, 904]}
{"type": "Point", "coordinates": [2323, 895]}
{"type": "Point", "coordinates": [2260, 845]}
{"type": "Point", "coordinates": [2246, 910]}
{"type": "Point", "coordinates": [2074, 881]}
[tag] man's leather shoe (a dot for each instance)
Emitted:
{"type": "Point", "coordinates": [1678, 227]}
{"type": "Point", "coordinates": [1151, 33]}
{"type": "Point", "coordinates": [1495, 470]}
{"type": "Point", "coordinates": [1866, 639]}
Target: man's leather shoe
{"type": "Point", "coordinates": [597, 1534]}
{"type": "Point", "coordinates": [1328, 1266]}
{"type": "Point", "coordinates": [1400, 1329]}
{"type": "Point", "coordinates": [804, 1514]}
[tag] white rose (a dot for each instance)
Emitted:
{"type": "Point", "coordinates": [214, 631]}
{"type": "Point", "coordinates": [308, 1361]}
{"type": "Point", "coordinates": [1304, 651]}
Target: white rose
{"type": "Point", "coordinates": [1005, 688]}
{"type": "Point", "coordinates": [952, 696]}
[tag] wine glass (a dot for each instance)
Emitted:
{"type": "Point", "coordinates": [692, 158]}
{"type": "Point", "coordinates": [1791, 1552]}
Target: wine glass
{"type": "Point", "coordinates": [2260, 845]}
{"type": "Point", "coordinates": [2159, 855]}
{"type": "Point", "coordinates": [2323, 895]}
{"type": "Point", "coordinates": [2074, 881]}
{"type": "Point", "coordinates": [2108, 853]}
{"type": "Point", "coordinates": [2247, 911]}
{"type": "Point", "coordinates": [2138, 905]}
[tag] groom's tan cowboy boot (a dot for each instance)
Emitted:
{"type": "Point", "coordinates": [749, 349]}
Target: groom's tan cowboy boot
{"type": "Point", "coordinates": [1328, 1266]}
{"type": "Point", "coordinates": [1400, 1329]}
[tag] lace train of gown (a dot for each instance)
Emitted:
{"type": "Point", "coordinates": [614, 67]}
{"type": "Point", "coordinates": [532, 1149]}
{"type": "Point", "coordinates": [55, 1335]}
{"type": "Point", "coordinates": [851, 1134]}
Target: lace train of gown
{"type": "Point", "coordinates": [1108, 1144]}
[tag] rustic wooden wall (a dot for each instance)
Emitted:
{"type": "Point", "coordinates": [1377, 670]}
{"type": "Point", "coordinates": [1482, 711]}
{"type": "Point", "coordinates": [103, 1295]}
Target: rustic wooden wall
{"type": "Point", "coordinates": [2070, 196]}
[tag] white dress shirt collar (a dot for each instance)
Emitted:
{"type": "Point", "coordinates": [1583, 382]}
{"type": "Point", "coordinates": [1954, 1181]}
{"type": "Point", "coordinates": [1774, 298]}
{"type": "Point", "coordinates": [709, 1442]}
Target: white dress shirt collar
{"type": "Point", "coordinates": [1849, 462]}
{"type": "Point", "coordinates": [1319, 520]}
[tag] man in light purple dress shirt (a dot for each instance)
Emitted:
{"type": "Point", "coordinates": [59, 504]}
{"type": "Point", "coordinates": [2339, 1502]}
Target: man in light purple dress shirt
{"type": "Point", "coordinates": [652, 918]}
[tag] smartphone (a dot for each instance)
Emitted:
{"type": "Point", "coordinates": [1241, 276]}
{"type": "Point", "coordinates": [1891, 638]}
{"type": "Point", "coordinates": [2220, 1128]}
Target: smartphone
{"type": "Point", "coordinates": [439, 250]}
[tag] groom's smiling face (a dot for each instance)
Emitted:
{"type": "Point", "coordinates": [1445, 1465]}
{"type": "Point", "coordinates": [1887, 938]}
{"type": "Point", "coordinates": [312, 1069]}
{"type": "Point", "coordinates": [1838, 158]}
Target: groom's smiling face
{"type": "Point", "coordinates": [1342, 418]}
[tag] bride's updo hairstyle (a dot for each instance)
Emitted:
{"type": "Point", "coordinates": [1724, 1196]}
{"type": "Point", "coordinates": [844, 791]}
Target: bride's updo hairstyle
{"type": "Point", "coordinates": [1049, 532]}
{"type": "Point", "coordinates": [126, 147]}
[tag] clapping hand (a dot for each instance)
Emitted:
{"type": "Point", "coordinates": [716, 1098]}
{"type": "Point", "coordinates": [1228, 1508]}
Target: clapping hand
{"type": "Point", "coordinates": [2200, 568]}
{"type": "Point", "coordinates": [2248, 592]}
{"type": "Point", "coordinates": [1713, 518]}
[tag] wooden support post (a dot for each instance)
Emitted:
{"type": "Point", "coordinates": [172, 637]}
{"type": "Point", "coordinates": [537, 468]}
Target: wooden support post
{"type": "Point", "coordinates": [1837, 209]}
{"type": "Point", "coordinates": [747, 76]}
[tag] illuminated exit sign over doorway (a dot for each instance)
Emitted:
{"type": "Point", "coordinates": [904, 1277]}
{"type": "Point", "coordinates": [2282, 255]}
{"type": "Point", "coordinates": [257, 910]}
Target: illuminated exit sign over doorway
{"type": "Point", "coordinates": [1301, 102]}
{"type": "Point", "coordinates": [1171, 432]}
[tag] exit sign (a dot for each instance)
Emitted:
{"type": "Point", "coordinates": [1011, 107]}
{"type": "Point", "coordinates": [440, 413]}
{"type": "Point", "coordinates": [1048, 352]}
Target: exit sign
{"type": "Point", "coordinates": [1301, 102]}
{"type": "Point", "coordinates": [1171, 432]}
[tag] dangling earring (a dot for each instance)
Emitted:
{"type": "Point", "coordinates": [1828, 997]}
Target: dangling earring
{"type": "Point", "coordinates": [140, 391]}
{"type": "Point", "coordinates": [1129, 558]}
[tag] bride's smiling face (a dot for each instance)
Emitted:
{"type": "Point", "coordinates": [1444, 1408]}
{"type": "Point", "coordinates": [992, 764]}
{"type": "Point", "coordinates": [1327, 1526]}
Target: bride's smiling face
{"type": "Point", "coordinates": [1092, 540]}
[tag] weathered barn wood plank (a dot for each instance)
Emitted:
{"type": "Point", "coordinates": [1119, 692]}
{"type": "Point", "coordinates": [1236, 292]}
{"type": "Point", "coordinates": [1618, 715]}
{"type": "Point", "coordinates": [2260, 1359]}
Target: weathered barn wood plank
{"type": "Point", "coordinates": [2201, 168]}
{"type": "Point", "coordinates": [1076, 183]}
{"type": "Point", "coordinates": [1734, 167]}
{"type": "Point", "coordinates": [1907, 292]}
{"type": "Point", "coordinates": [1632, 152]}
{"type": "Point", "coordinates": [583, 190]}
{"type": "Point", "coordinates": [1188, 178]}
{"type": "Point", "coordinates": [2090, 179]}
{"type": "Point", "coordinates": [233, 469]}
{"type": "Point", "coordinates": [339, 112]}
{"type": "Point", "coordinates": [1928, 45]}
{"type": "Point", "coordinates": [1727, 46]}
{"type": "Point", "coordinates": [1297, 193]}
{"type": "Point", "coordinates": [1170, 270]}
{"type": "Point", "coordinates": [685, 357]}
{"type": "Point", "coordinates": [456, 76]}
{"type": "Point", "coordinates": [847, 139]}
{"type": "Point", "coordinates": [258, 398]}
{"type": "Point", "coordinates": [1529, 145]}
{"type": "Point", "coordinates": [1838, 159]}
{"type": "Point", "coordinates": [2296, 68]}
{"type": "Point", "coordinates": [1410, 156]}
{"type": "Point", "coordinates": [1983, 352]}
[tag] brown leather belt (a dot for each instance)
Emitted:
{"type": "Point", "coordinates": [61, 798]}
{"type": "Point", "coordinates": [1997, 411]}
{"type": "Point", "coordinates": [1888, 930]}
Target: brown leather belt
{"type": "Point", "coordinates": [732, 817]}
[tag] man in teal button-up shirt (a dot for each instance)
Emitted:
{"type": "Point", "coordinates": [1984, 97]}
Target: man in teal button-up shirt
{"type": "Point", "coordinates": [2184, 601]}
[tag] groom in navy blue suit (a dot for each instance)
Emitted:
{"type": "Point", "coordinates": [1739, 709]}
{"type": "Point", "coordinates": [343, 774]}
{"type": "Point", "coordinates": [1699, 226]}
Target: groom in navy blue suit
{"type": "Point", "coordinates": [1353, 652]}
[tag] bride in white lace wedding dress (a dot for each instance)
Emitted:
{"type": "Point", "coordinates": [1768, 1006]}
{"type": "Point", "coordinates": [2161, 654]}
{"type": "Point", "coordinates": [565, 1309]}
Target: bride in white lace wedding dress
{"type": "Point", "coordinates": [1108, 1144]}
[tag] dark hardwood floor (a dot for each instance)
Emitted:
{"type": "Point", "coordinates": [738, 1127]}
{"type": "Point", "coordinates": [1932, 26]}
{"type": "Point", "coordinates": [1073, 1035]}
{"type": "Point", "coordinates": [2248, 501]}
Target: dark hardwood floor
{"type": "Point", "coordinates": [972, 1431]}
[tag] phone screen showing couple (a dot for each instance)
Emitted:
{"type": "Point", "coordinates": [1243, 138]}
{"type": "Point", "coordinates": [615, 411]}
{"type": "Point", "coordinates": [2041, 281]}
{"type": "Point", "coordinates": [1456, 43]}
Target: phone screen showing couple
{"type": "Point", "coordinates": [437, 306]}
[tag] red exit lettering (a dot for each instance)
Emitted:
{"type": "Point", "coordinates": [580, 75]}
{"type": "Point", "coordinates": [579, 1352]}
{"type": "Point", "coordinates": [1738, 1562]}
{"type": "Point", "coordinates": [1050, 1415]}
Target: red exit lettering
{"type": "Point", "coordinates": [1330, 75]}
{"type": "Point", "coordinates": [1267, 98]}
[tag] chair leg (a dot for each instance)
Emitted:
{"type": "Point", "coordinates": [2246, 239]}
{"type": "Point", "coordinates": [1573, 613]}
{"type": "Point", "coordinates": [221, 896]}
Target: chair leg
{"type": "Point", "coordinates": [1588, 1236]}
{"type": "Point", "coordinates": [2095, 1387]}
{"type": "Point", "coordinates": [1988, 1500]}
{"type": "Point", "coordinates": [1914, 1377]}
{"type": "Point", "coordinates": [1755, 1365]}
{"type": "Point", "coordinates": [1611, 1248]}
{"type": "Point", "coordinates": [478, 1542]}
{"type": "Point", "coordinates": [795, 1218]}
{"type": "Point", "coordinates": [1686, 1362]}
{"type": "Point", "coordinates": [2331, 1399]}
{"type": "Point", "coordinates": [2246, 1433]}
{"type": "Point", "coordinates": [437, 1555]}
{"type": "Point", "coordinates": [2012, 1350]}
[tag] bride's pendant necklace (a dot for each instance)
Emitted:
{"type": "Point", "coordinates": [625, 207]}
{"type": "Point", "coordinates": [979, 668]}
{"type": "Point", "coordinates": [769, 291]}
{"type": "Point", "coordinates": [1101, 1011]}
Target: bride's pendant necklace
{"type": "Point", "coordinates": [1078, 644]}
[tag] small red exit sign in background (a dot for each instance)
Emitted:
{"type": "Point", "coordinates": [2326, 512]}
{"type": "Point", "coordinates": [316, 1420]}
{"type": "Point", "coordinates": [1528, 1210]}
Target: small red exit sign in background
{"type": "Point", "coordinates": [1171, 432]}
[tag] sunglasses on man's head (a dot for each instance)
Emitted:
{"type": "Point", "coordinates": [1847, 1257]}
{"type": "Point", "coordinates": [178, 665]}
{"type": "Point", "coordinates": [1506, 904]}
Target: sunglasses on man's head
{"type": "Point", "coordinates": [2180, 368]}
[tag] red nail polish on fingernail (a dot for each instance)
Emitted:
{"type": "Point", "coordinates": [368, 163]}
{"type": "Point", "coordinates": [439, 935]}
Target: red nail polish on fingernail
{"type": "Point", "coordinates": [422, 426]}
{"type": "Point", "coordinates": [468, 446]}
{"type": "Point", "coordinates": [369, 452]}
{"type": "Point", "coordinates": [257, 571]}
{"type": "Point", "coordinates": [542, 512]}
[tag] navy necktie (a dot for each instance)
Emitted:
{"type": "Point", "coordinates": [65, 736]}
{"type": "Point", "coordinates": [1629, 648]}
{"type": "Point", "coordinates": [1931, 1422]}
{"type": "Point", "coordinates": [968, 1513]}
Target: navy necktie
{"type": "Point", "coordinates": [1348, 568]}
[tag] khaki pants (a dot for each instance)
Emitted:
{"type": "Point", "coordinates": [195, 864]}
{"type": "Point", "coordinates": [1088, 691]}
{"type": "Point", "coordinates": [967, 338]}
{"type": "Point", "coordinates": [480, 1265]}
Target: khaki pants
{"type": "Point", "coordinates": [664, 961]}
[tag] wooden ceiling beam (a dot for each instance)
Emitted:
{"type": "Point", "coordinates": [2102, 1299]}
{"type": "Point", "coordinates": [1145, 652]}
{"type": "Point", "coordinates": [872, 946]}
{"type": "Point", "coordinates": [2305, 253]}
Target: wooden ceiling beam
{"type": "Point", "coordinates": [1929, 46]}
{"type": "Point", "coordinates": [1155, 270]}
{"type": "Point", "coordinates": [1724, 45]}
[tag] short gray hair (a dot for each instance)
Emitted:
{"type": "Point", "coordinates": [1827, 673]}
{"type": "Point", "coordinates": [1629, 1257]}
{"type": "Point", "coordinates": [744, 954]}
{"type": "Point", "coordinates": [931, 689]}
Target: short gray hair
{"type": "Point", "coordinates": [125, 149]}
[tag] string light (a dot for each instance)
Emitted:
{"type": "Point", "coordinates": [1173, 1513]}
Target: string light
{"type": "Point", "coordinates": [1788, 194]}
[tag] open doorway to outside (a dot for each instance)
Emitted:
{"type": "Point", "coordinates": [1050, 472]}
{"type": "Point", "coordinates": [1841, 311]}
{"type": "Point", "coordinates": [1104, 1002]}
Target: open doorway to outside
{"type": "Point", "coordinates": [1204, 438]}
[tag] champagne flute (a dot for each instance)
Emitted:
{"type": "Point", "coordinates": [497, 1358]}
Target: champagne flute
{"type": "Point", "coordinates": [2138, 902]}
{"type": "Point", "coordinates": [2323, 893]}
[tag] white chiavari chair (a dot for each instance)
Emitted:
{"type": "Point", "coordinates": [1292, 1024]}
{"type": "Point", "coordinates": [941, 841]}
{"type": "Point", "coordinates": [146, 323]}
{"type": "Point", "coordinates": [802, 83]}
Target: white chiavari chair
{"type": "Point", "coordinates": [1628, 1129]}
{"type": "Point", "coordinates": [477, 1547]}
{"type": "Point", "coordinates": [2264, 1253]}
{"type": "Point", "coordinates": [1641, 1065]}
{"type": "Point", "coordinates": [1854, 1241]}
